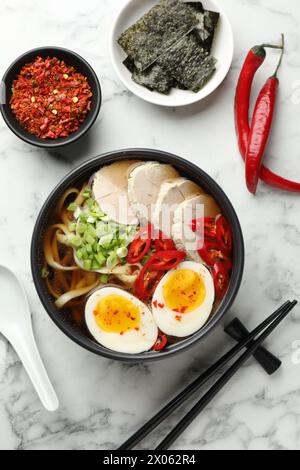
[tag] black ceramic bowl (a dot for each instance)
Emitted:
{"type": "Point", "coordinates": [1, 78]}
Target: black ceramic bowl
{"type": "Point", "coordinates": [70, 58]}
{"type": "Point", "coordinates": [83, 173]}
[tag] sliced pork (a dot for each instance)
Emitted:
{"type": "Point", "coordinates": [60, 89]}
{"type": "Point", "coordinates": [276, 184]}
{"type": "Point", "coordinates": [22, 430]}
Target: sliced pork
{"type": "Point", "coordinates": [110, 189]}
{"type": "Point", "coordinates": [144, 185]}
{"type": "Point", "coordinates": [172, 193]}
{"type": "Point", "coordinates": [185, 239]}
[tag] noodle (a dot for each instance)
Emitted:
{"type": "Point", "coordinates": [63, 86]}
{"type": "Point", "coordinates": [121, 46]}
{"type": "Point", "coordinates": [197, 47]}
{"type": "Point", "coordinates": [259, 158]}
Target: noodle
{"type": "Point", "coordinates": [51, 251]}
{"type": "Point", "coordinates": [62, 200]}
{"type": "Point", "coordinates": [65, 298]}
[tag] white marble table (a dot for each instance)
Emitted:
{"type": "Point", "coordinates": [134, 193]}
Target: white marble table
{"type": "Point", "coordinates": [102, 402]}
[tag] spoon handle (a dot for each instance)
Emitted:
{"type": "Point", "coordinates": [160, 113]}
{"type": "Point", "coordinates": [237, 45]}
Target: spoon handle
{"type": "Point", "coordinates": [26, 349]}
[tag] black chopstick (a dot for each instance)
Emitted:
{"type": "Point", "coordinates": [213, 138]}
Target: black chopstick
{"type": "Point", "coordinates": [194, 386]}
{"type": "Point", "coordinates": [212, 392]}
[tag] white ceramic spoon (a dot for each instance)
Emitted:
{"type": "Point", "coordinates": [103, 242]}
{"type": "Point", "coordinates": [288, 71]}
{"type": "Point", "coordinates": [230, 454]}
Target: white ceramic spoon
{"type": "Point", "coordinates": [16, 326]}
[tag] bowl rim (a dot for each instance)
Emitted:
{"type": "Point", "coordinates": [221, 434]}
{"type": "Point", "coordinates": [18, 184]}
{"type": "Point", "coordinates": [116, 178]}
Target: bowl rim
{"type": "Point", "coordinates": [148, 154]}
{"type": "Point", "coordinates": [51, 144]}
{"type": "Point", "coordinates": [148, 97]}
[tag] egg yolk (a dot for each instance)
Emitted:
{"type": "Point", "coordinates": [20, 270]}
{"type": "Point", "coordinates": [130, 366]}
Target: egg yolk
{"type": "Point", "coordinates": [184, 291]}
{"type": "Point", "coordinates": [116, 314]}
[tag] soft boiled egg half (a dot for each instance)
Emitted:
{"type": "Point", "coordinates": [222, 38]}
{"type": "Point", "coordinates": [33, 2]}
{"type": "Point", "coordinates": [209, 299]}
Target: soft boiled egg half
{"type": "Point", "coordinates": [183, 300]}
{"type": "Point", "coordinates": [119, 321]}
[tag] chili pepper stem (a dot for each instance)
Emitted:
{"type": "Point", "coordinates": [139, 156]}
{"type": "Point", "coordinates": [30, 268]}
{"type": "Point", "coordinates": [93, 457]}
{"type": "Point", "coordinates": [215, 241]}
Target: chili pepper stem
{"type": "Point", "coordinates": [270, 46]}
{"type": "Point", "coordinates": [281, 56]}
{"type": "Point", "coordinates": [275, 46]}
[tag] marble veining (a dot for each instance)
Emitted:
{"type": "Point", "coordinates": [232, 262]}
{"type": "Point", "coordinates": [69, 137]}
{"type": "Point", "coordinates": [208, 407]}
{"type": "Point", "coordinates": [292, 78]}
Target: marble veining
{"type": "Point", "coordinates": [101, 401]}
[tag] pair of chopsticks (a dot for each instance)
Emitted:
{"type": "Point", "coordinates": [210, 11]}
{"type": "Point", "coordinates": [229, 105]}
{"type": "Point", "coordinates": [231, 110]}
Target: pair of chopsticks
{"type": "Point", "coordinates": [268, 325]}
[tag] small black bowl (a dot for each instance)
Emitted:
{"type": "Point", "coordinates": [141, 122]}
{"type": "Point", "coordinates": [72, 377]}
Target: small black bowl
{"type": "Point", "coordinates": [83, 173]}
{"type": "Point", "coordinates": [71, 59]}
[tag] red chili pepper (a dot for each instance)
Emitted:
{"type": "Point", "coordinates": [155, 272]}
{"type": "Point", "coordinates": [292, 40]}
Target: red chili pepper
{"type": "Point", "coordinates": [260, 129]}
{"type": "Point", "coordinates": [254, 60]}
{"type": "Point", "coordinates": [242, 100]}
{"type": "Point", "coordinates": [224, 236]}
{"type": "Point", "coordinates": [166, 260]}
{"type": "Point", "coordinates": [161, 243]}
{"type": "Point", "coordinates": [221, 280]}
{"type": "Point", "coordinates": [211, 253]}
{"type": "Point", "coordinates": [205, 226]}
{"type": "Point", "coordinates": [278, 182]}
{"type": "Point", "coordinates": [140, 245]}
{"type": "Point", "coordinates": [160, 343]}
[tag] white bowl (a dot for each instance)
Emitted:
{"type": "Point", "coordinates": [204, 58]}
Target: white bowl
{"type": "Point", "coordinates": [222, 49]}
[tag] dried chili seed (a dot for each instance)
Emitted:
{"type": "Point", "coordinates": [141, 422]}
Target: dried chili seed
{"type": "Point", "coordinates": [50, 99]}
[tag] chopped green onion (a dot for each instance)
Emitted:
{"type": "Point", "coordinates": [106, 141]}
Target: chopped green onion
{"type": "Point", "coordinates": [45, 272]}
{"type": "Point", "coordinates": [122, 252]}
{"type": "Point", "coordinates": [91, 230]}
{"type": "Point", "coordinates": [145, 259]}
{"type": "Point", "coordinates": [100, 258]}
{"type": "Point", "coordinates": [87, 264]}
{"type": "Point", "coordinates": [83, 217]}
{"type": "Point", "coordinates": [89, 238]}
{"type": "Point", "coordinates": [104, 278]}
{"type": "Point", "coordinates": [95, 264]}
{"type": "Point", "coordinates": [80, 228]}
{"type": "Point", "coordinates": [72, 207]}
{"type": "Point", "coordinates": [75, 241]}
{"type": "Point", "coordinates": [106, 240]}
{"type": "Point", "coordinates": [89, 248]}
{"type": "Point", "coordinates": [86, 193]}
{"type": "Point", "coordinates": [90, 202]}
{"type": "Point", "coordinates": [112, 261]}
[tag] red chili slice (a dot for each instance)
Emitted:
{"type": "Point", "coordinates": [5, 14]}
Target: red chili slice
{"type": "Point", "coordinates": [140, 245]}
{"type": "Point", "coordinates": [224, 236]}
{"type": "Point", "coordinates": [166, 260]}
{"type": "Point", "coordinates": [161, 243]}
{"type": "Point", "coordinates": [221, 280]}
{"type": "Point", "coordinates": [206, 226]}
{"type": "Point", "coordinates": [211, 253]}
{"type": "Point", "coordinates": [146, 282]}
{"type": "Point", "coordinates": [153, 271]}
{"type": "Point", "coordinates": [161, 342]}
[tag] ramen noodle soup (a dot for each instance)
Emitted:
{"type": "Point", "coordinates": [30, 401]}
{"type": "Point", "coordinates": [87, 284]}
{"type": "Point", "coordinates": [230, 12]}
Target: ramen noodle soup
{"type": "Point", "coordinates": [138, 257]}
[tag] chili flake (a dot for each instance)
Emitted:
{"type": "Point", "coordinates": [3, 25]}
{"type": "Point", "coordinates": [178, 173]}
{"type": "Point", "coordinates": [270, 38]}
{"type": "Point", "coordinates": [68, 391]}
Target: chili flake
{"type": "Point", "coordinates": [50, 98]}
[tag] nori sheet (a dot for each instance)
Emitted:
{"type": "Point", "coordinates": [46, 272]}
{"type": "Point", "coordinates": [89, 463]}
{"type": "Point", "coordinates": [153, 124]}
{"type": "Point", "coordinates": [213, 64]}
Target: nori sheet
{"type": "Point", "coordinates": [196, 5]}
{"type": "Point", "coordinates": [155, 78]}
{"type": "Point", "coordinates": [208, 21]}
{"type": "Point", "coordinates": [179, 85]}
{"type": "Point", "coordinates": [129, 64]}
{"type": "Point", "coordinates": [157, 31]}
{"type": "Point", "coordinates": [188, 63]}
